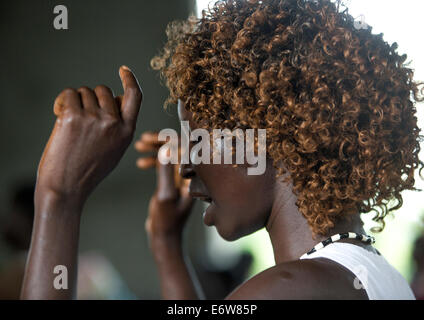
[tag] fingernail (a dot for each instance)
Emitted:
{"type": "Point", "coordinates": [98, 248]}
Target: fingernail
{"type": "Point", "coordinates": [126, 68]}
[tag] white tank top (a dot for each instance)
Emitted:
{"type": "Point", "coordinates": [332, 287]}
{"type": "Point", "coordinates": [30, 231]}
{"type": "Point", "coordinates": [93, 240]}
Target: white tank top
{"type": "Point", "coordinates": [373, 273]}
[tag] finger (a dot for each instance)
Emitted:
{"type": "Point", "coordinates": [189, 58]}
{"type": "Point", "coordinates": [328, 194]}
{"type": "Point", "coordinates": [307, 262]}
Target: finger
{"type": "Point", "coordinates": [142, 146]}
{"type": "Point", "coordinates": [179, 181]}
{"type": "Point", "coordinates": [68, 98]}
{"type": "Point", "coordinates": [106, 100]}
{"type": "Point", "coordinates": [151, 137]}
{"type": "Point", "coordinates": [184, 185]}
{"type": "Point", "coordinates": [148, 225]}
{"type": "Point", "coordinates": [132, 96]}
{"type": "Point", "coordinates": [185, 203]}
{"type": "Point", "coordinates": [146, 163]}
{"type": "Point", "coordinates": [89, 100]}
{"type": "Point", "coordinates": [166, 189]}
{"type": "Point", "coordinates": [118, 101]}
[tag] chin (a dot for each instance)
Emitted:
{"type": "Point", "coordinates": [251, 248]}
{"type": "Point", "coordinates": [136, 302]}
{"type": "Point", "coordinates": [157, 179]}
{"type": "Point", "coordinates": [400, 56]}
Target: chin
{"type": "Point", "coordinates": [229, 233]}
{"type": "Point", "coordinates": [228, 236]}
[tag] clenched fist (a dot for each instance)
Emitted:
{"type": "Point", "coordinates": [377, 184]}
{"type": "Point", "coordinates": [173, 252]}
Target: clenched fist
{"type": "Point", "coordinates": [92, 131]}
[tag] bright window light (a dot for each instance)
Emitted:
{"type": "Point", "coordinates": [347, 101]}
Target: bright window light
{"type": "Point", "coordinates": [202, 4]}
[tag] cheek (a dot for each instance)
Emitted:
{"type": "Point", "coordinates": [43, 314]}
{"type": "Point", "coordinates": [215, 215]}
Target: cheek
{"type": "Point", "coordinates": [243, 202]}
{"type": "Point", "coordinates": [227, 185]}
{"type": "Point", "coordinates": [243, 213]}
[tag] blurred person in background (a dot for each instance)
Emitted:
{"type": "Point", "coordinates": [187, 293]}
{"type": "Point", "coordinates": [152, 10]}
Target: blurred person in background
{"type": "Point", "coordinates": [98, 278]}
{"type": "Point", "coordinates": [217, 283]}
{"type": "Point", "coordinates": [16, 229]}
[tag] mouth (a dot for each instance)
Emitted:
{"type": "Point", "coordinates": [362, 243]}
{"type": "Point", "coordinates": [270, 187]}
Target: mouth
{"type": "Point", "coordinates": [201, 197]}
{"type": "Point", "coordinates": [207, 214]}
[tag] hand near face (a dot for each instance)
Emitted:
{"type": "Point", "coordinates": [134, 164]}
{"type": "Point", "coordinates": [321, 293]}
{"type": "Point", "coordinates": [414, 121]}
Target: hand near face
{"type": "Point", "coordinates": [171, 204]}
{"type": "Point", "coordinates": [92, 131]}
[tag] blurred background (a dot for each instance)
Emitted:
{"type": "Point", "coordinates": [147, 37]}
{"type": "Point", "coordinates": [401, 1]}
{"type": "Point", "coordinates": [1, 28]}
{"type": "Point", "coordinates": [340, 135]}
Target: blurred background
{"type": "Point", "coordinates": [38, 61]}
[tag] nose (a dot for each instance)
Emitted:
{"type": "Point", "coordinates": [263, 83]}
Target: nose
{"type": "Point", "coordinates": [187, 171]}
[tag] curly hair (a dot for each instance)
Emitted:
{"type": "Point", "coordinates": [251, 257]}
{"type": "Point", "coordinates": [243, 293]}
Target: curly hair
{"type": "Point", "coordinates": [338, 102]}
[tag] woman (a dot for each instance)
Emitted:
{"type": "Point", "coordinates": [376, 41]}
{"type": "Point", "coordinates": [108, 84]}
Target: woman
{"type": "Point", "coordinates": [337, 103]}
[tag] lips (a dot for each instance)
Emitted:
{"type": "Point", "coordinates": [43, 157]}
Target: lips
{"type": "Point", "coordinates": [207, 214]}
{"type": "Point", "coordinates": [201, 197]}
{"type": "Point", "coordinates": [198, 190]}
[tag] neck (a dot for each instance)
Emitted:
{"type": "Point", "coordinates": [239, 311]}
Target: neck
{"type": "Point", "coordinates": [290, 233]}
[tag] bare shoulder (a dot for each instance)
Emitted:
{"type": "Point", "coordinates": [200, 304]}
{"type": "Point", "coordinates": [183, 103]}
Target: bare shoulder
{"type": "Point", "coordinates": [302, 279]}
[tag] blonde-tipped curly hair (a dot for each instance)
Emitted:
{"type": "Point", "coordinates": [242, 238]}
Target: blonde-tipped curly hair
{"type": "Point", "coordinates": [338, 102]}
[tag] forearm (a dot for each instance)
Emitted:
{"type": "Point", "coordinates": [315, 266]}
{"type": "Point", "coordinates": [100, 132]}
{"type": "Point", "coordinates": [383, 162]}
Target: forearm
{"type": "Point", "coordinates": [177, 278]}
{"type": "Point", "coordinates": [54, 243]}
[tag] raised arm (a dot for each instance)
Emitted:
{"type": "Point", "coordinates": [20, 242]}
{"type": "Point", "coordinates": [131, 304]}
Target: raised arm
{"type": "Point", "coordinates": [169, 209]}
{"type": "Point", "coordinates": [92, 131]}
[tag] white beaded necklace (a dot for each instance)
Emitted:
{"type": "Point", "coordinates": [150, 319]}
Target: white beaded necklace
{"type": "Point", "coordinates": [348, 235]}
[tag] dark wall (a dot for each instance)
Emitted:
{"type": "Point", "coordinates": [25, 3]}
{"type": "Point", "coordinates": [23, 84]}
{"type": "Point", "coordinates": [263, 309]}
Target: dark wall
{"type": "Point", "coordinates": [37, 62]}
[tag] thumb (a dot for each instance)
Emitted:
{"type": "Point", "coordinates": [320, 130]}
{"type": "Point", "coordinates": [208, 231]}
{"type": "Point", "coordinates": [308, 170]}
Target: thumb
{"type": "Point", "coordinates": [166, 188]}
{"type": "Point", "coordinates": [186, 201]}
{"type": "Point", "coordinates": [131, 101]}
